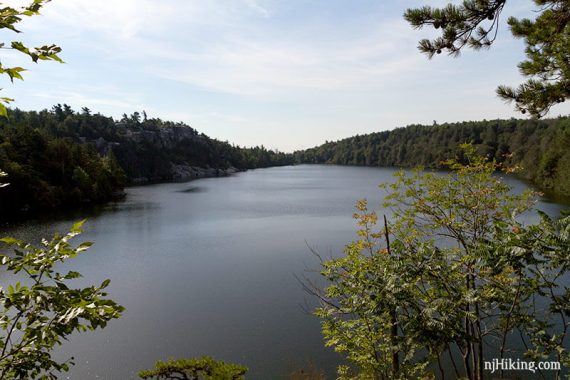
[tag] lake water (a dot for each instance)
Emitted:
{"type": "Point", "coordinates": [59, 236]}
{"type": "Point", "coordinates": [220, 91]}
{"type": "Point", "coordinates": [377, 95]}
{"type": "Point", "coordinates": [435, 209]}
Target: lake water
{"type": "Point", "coordinates": [208, 268]}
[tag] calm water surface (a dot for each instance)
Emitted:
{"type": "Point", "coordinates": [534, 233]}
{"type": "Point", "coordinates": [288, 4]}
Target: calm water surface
{"type": "Point", "coordinates": [208, 268]}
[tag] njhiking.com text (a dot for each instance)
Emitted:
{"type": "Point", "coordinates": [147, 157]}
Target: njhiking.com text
{"type": "Point", "coordinates": [508, 364]}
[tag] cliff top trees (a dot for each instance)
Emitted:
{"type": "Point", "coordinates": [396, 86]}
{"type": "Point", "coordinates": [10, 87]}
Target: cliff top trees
{"type": "Point", "coordinates": [474, 24]}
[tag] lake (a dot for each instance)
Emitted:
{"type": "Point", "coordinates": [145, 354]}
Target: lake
{"type": "Point", "coordinates": [208, 267]}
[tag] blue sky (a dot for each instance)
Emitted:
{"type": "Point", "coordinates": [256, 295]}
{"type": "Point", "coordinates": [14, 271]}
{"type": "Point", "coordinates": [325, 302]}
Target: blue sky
{"type": "Point", "coordinates": [287, 74]}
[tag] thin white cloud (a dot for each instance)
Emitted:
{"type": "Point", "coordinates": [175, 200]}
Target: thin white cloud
{"type": "Point", "coordinates": [98, 97]}
{"type": "Point", "coordinates": [268, 67]}
{"type": "Point", "coordinates": [253, 4]}
{"type": "Point", "coordinates": [115, 20]}
{"type": "Point", "coordinates": [166, 39]}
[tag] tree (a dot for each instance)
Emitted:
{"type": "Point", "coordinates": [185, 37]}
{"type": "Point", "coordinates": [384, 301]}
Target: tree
{"type": "Point", "coordinates": [9, 17]}
{"type": "Point", "coordinates": [538, 146]}
{"type": "Point", "coordinates": [474, 23]}
{"type": "Point", "coordinates": [204, 368]}
{"type": "Point", "coordinates": [42, 310]}
{"type": "Point", "coordinates": [454, 277]}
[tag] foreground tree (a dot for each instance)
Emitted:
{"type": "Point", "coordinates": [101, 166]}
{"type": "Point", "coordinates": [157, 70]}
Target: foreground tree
{"type": "Point", "coordinates": [204, 368]}
{"type": "Point", "coordinates": [455, 277]}
{"type": "Point", "coordinates": [475, 23]}
{"type": "Point", "coordinates": [42, 310]}
{"type": "Point", "coordinates": [9, 17]}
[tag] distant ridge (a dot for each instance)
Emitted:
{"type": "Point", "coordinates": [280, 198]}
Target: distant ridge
{"type": "Point", "coordinates": [540, 147]}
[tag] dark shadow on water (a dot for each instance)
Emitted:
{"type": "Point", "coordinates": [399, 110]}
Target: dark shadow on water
{"type": "Point", "coordinates": [194, 189]}
{"type": "Point", "coordinates": [80, 213]}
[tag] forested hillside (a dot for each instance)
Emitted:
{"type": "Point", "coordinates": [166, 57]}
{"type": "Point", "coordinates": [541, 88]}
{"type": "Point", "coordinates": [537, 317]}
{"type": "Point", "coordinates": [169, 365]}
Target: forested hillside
{"type": "Point", "coordinates": [61, 159]}
{"type": "Point", "coordinates": [541, 148]}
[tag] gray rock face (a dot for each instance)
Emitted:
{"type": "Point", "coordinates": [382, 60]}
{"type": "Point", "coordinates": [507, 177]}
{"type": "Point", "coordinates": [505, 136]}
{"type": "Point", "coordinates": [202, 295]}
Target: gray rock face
{"type": "Point", "coordinates": [185, 172]}
{"type": "Point", "coordinates": [166, 137]}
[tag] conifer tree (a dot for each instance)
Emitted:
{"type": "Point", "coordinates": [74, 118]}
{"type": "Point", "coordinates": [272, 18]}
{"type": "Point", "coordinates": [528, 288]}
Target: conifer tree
{"type": "Point", "coordinates": [475, 23]}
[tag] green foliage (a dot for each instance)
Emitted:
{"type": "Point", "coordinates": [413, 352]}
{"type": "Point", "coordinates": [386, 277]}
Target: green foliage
{"type": "Point", "coordinates": [454, 277]}
{"type": "Point", "coordinates": [462, 25]}
{"type": "Point", "coordinates": [204, 368]}
{"type": "Point", "coordinates": [41, 311]}
{"type": "Point", "coordinates": [357, 306]}
{"type": "Point", "coordinates": [474, 23]}
{"type": "Point", "coordinates": [48, 171]}
{"type": "Point", "coordinates": [64, 159]}
{"type": "Point", "coordinates": [9, 17]}
{"type": "Point", "coordinates": [538, 147]}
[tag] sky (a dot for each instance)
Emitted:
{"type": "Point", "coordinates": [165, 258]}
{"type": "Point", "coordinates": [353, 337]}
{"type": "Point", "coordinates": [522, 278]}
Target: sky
{"type": "Point", "coordinates": [286, 74]}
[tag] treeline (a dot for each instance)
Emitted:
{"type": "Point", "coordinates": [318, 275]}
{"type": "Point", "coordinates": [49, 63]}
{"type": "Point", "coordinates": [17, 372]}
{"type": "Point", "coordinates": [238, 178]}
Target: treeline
{"type": "Point", "coordinates": [60, 159]}
{"type": "Point", "coordinates": [540, 147]}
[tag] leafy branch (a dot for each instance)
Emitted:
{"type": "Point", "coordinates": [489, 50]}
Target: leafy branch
{"type": "Point", "coordinates": [9, 17]}
{"type": "Point", "coordinates": [475, 24]}
{"type": "Point", "coordinates": [42, 311]}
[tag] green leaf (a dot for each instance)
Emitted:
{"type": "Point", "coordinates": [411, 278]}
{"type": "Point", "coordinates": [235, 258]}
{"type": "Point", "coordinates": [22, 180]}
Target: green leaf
{"type": "Point", "coordinates": [76, 228]}
{"type": "Point", "coordinates": [71, 275]}
{"type": "Point", "coordinates": [3, 110]}
{"type": "Point", "coordinates": [14, 72]}
{"type": "Point", "coordinates": [10, 240]}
